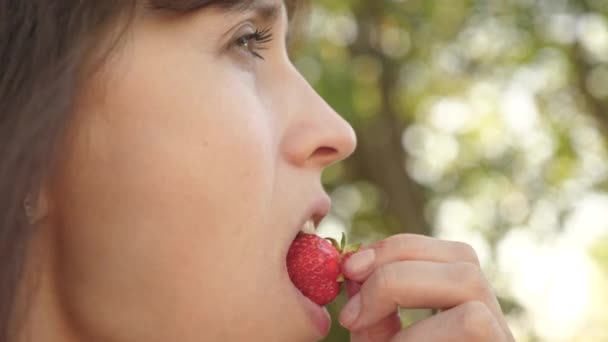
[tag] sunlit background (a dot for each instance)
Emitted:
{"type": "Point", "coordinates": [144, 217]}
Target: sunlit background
{"type": "Point", "coordinates": [484, 121]}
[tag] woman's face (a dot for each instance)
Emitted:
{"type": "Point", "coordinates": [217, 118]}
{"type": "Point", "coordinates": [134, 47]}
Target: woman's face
{"type": "Point", "coordinates": [191, 168]}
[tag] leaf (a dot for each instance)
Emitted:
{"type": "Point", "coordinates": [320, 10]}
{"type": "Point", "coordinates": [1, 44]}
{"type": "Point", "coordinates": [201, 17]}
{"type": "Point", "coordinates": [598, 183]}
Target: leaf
{"type": "Point", "coordinates": [351, 248]}
{"type": "Point", "coordinates": [334, 243]}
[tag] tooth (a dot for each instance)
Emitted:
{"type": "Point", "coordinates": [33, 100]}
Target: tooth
{"type": "Point", "coordinates": [308, 227]}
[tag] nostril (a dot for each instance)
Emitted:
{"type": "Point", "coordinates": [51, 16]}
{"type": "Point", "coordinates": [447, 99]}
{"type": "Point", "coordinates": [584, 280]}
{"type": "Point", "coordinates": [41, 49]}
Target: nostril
{"type": "Point", "coordinates": [325, 152]}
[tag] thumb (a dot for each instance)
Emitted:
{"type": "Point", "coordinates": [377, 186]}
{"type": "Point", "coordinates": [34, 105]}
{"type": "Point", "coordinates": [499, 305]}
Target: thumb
{"type": "Point", "coordinates": [381, 331]}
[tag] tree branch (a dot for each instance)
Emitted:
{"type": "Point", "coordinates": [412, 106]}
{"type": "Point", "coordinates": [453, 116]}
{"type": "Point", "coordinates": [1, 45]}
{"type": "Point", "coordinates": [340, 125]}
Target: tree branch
{"type": "Point", "coordinates": [381, 158]}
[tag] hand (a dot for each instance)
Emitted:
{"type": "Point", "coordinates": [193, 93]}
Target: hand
{"type": "Point", "coordinates": [415, 272]}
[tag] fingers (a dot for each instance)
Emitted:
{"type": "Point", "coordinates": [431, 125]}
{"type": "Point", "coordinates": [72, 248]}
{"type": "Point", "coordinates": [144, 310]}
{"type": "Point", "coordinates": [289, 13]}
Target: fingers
{"type": "Point", "coordinates": [403, 247]}
{"type": "Point", "coordinates": [471, 321]}
{"type": "Point", "coordinates": [416, 284]}
{"type": "Point", "coordinates": [414, 271]}
{"type": "Point", "coordinates": [381, 331]}
{"type": "Point", "coordinates": [352, 288]}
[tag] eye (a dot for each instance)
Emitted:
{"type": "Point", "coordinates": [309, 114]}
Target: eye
{"type": "Point", "coordinates": [254, 42]}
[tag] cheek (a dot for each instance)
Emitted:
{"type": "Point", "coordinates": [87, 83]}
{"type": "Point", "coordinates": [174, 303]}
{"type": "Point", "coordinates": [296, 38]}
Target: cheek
{"type": "Point", "coordinates": [174, 144]}
{"type": "Point", "coordinates": [169, 184]}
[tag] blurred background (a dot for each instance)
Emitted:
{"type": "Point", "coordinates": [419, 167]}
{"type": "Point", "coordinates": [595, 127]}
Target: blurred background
{"type": "Point", "coordinates": [483, 121]}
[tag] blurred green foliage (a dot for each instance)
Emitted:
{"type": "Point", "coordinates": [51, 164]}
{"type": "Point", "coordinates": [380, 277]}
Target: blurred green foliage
{"type": "Point", "coordinates": [483, 121]}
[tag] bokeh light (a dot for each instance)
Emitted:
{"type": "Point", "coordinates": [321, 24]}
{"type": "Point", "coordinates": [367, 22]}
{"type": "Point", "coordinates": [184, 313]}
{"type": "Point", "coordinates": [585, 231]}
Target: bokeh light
{"type": "Point", "coordinates": [480, 121]}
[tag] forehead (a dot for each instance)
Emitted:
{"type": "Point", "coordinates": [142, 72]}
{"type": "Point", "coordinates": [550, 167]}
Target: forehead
{"type": "Point", "coordinates": [231, 5]}
{"type": "Point", "coordinates": [267, 10]}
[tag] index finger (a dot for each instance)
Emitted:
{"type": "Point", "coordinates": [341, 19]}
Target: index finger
{"type": "Point", "coordinates": [402, 247]}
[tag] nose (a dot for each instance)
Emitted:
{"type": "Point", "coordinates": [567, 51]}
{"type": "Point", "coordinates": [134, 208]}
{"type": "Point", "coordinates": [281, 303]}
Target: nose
{"type": "Point", "coordinates": [316, 135]}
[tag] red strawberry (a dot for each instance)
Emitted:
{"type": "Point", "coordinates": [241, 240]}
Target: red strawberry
{"type": "Point", "coordinates": [314, 266]}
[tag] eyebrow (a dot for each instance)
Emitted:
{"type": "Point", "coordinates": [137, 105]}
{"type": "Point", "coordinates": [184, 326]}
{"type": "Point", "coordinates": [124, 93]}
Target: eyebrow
{"type": "Point", "coordinates": [264, 11]}
{"type": "Point", "coordinates": [261, 9]}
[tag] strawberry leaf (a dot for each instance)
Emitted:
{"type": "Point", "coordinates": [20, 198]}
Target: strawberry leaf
{"type": "Point", "coordinates": [351, 248]}
{"type": "Point", "coordinates": [334, 243]}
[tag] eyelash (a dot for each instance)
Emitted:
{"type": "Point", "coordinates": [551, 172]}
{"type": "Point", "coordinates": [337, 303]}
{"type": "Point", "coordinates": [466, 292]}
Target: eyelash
{"type": "Point", "coordinates": [259, 38]}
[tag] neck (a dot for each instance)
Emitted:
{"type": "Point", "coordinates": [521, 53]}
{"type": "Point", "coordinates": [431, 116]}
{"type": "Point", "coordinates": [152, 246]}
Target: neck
{"type": "Point", "coordinates": [39, 314]}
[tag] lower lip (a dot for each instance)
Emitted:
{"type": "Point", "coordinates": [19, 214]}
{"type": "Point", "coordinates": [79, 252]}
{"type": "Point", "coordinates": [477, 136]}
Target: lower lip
{"type": "Point", "coordinates": [318, 314]}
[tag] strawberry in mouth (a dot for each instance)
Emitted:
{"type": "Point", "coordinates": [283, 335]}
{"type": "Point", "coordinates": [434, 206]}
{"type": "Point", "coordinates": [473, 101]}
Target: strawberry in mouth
{"type": "Point", "coordinates": [314, 264]}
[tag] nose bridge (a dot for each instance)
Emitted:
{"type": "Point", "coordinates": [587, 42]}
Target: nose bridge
{"type": "Point", "coordinates": [317, 136]}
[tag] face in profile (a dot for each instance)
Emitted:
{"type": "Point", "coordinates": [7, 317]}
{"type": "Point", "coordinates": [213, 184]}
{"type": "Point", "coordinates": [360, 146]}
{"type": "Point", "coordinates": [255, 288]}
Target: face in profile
{"type": "Point", "coordinates": [195, 157]}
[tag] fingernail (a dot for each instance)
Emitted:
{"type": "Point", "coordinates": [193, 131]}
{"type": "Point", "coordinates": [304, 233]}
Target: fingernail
{"type": "Point", "coordinates": [350, 312]}
{"type": "Point", "coordinates": [361, 261]}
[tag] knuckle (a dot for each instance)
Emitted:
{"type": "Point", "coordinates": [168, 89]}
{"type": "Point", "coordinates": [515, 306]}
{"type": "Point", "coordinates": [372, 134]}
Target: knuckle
{"type": "Point", "coordinates": [467, 253]}
{"type": "Point", "coordinates": [380, 286]}
{"type": "Point", "coordinates": [389, 326]}
{"type": "Point", "coordinates": [384, 279]}
{"type": "Point", "coordinates": [465, 272]}
{"type": "Point", "coordinates": [478, 323]}
{"type": "Point", "coordinates": [402, 241]}
{"type": "Point", "coordinates": [472, 278]}
{"type": "Point", "coordinates": [409, 246]}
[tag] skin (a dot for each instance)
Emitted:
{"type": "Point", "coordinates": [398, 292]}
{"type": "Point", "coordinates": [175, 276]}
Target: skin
{"type": "Point", "coordinates": [419, 272]}
{"type": "Point", "coordinates": [189, 167]}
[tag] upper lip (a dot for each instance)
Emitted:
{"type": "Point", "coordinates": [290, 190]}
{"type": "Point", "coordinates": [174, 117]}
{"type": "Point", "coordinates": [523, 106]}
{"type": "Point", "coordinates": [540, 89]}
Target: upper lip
{"type": "Point", "coordinates": [316, 211]}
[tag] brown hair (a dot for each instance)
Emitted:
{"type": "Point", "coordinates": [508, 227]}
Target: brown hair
{"type": "Point", "coordinates": [44, 45]}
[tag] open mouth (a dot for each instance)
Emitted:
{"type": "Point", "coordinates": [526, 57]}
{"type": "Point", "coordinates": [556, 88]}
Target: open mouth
{"type": "Point", "coordinates": [308, 223]}
{"type": "Point", "coordinates": [317, 314]}
{"type": "Point", "coordinates": [312, 217]}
